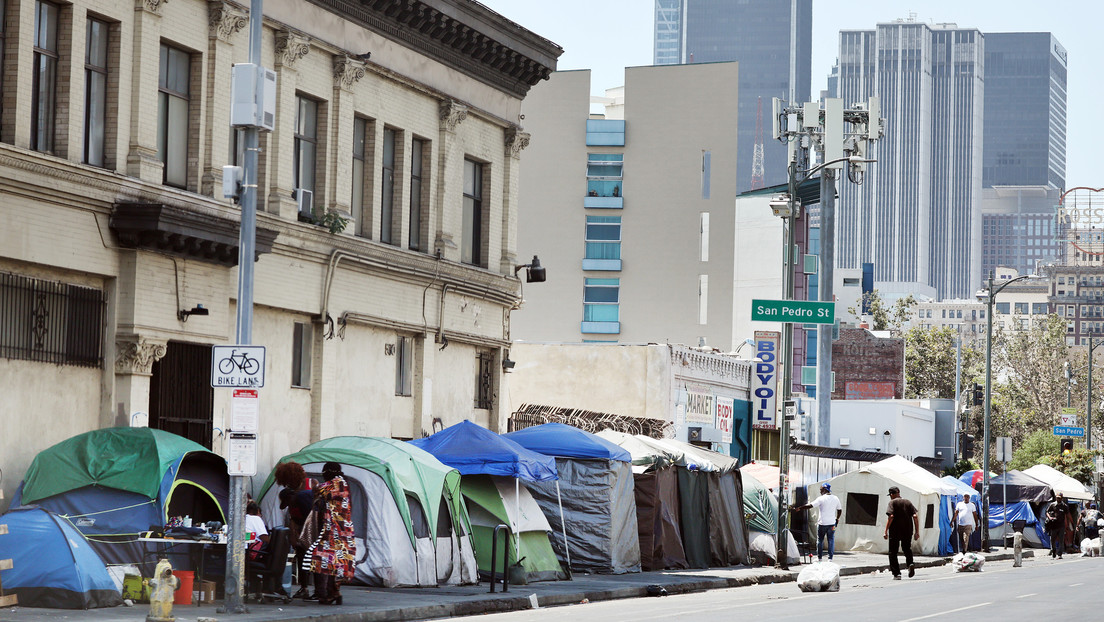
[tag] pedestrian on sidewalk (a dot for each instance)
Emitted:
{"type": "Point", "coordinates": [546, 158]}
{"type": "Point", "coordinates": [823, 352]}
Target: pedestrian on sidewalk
{"type": "Point", "coordinates": [829, 510]}
{"type": "Point", "coordinates": [967, 518]}
{"type": "Point", "coordinates": [1055, 524]}
{"type": "Point", "coordinates": [900, 531]}
{"type": "Point", "coordinates": [1089, 517]}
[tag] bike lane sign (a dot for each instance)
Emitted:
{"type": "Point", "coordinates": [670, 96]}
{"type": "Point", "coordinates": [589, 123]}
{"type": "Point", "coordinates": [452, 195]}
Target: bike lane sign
{"type": "Point", "coordinates": [237, 366]}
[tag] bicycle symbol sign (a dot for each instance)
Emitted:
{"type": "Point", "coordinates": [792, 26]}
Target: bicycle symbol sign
{"type": "Point", "coordinates": [237, 366]}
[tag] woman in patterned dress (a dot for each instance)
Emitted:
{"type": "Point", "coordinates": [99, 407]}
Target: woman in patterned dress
{"type": "Point", "coordinates": [331, 556]}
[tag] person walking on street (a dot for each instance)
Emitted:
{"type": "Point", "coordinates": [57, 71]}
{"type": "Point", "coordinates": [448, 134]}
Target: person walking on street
{"type": "Point", "coordinates": [902, 526]}
{"type": "Point", "coordinates": [829, 511]}
{"type": "Point", "coordinates": [1055, 524]}
{"type": "Point", "coordinates": [967, 518]}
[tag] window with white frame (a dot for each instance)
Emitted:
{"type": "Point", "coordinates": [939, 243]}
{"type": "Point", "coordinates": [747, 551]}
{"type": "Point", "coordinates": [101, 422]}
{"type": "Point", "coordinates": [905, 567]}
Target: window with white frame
{"type": "Point", "coordinates": [601, 298]}
{"type": "Point", "coordinates": [95, 91]}
{"type": "Point", "coordinates": [603, 237]}
{"type": "Point", "coordinates": [362, 151]}
{"type": "Point", "coordinates": [305, 153]}
{"type": "Point", "coordinates": [604, 174]}
{"type": "Point", "coordinates": [387, 184]}
{"type": "Point", "coordinates": [44, 79]}
{"type": "Point", "coordinates": [471, 246]}
{"type": "Point", "coordinates": [703, 234]}
{"type": "Point", "coordinates": [703, 299]}
{"type": "Point", "coordinates": [404, 365]}
{"type": "Point", "coordinates": [418, 168]}
{"type": "Point", "coordinates": [302, 337]}
{"type": "Point", "coordinates": [172, 115]}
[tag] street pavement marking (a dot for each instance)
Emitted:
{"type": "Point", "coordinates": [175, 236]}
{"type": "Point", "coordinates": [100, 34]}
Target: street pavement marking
{"type": "Point", "coordinates": [943, 613]}
{"type": "Point", "coordinates": [1026, 595]}
{"type": "Point", "coordinates": [1076, 584]}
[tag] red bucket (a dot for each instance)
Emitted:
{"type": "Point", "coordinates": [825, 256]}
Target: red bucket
{"type": "Point", "coordinates": [183, 594]}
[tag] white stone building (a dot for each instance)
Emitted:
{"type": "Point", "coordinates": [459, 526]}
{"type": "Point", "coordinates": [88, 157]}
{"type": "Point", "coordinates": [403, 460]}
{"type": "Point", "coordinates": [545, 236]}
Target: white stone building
{"type": "Point", "coordinates": [401, 117]}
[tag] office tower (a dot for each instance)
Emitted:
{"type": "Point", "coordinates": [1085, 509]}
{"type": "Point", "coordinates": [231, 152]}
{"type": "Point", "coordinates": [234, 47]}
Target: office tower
{"type": "Point", "coordinates": [1025, 110]}
{"type": "Point", "coordinates": [757, 35]}
{"type": "Point", "coordinates": [917, 214]}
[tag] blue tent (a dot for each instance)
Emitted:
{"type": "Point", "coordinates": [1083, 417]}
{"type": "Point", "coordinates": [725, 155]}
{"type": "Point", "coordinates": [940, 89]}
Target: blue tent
{"type": "Point", "coordinates": [53, 565]}
{"type": "Point", "coordinates": [598, 502]}
{"type": "Point", "coordinates": [487, 461]}
{"type": "Point", "coordinates": [475, 450]}
{"type": "Point", "coordinates": [565, 441]}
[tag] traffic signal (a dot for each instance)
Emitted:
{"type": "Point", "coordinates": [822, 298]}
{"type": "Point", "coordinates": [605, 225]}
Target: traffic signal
{"type": "Point", "coordinates": [967, 446]}
{"type": "Point", "coordinates": [978, 395]}
{"type": "Point", "coordinates": [1067, 445]}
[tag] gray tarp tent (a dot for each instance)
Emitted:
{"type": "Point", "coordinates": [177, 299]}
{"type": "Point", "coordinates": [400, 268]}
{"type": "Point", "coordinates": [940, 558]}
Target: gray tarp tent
{"type": "Point", "coordinates": [596, 490]}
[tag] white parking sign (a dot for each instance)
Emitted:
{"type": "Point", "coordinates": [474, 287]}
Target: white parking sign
{"type": "Point", "coordinates": [237, 366]}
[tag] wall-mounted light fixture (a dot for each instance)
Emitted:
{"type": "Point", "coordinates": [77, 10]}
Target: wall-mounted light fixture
{"type": "Point", "coordinates": [183, 314]}
{"type": "Point", "coordinates": [534, 272]}
{"type": "Point", "coordinates": [507, 365]}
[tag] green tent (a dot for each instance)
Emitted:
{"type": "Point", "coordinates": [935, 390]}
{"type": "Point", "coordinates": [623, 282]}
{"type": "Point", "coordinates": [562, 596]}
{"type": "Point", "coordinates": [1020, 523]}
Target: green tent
{"type": "Point", "coordinates": [761, 504]}
{"type": "Point", "coordinates": [411, 524]}
{"type": "Point", "coordinates": [494, 500]}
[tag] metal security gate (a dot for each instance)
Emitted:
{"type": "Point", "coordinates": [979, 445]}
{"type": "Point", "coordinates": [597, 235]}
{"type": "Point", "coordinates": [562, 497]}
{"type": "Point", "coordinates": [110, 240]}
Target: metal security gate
{"type": "Point", "coordinates": [181, 397]}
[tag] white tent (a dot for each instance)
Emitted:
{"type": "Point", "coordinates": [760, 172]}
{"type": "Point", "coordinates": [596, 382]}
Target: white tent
{"type": "Point", "coordinates": [1060, 482]}
{"type": "Point", "coordinates": [864, 494]}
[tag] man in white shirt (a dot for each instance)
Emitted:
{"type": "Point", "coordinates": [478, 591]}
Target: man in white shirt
{"type": "Point", "coordinates": [829, 511]}
{"type": "Point", "coordinates": [967, 518]}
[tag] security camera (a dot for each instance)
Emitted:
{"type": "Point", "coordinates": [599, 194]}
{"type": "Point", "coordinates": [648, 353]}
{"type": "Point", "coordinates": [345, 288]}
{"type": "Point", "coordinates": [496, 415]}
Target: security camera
{"type": "Point", "coordinates": [781, 207]}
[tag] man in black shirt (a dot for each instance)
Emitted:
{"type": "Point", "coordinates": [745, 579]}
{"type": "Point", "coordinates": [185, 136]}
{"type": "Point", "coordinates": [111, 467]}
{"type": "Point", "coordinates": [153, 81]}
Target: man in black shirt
{"type": "Point", "coordinates": [902, 526]}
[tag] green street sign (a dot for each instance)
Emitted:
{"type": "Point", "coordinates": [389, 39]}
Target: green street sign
{"type": "Point", "coordinates": [795, 311]}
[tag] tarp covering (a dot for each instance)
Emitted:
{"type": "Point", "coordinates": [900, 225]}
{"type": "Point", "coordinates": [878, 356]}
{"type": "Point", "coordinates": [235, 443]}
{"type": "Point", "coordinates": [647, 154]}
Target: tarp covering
{"type": "Point", "coordinates": [657, 512]}
{"type": "Point", "coordinates": [1019, 486]}
{"type": "Point", "coordinates": [764, 473]}
{"type": "Point", "coordinates": [762, 505]}
{"type": "Point", "coordinates": [494, 500]}
{"type": "Point", "coordinates": [475, 450]}
{"type": "Point", "coordinates": [694, 515]}
{"type": "Point", "coordinates": [596, 487]}
{"type": "Point", "coordinates": [1000, 515]}
{"type": "Point", "coordinates": [53, 565]}
{"type": "Point", "coordinates": [565, 441]}
{"type": "Point", "coordinates": [129, 459]}
{"type": "Point", "coordinates": [728, 539]}
{"type": "Point", "coordinates": [1059, 482]}
{"type": "Point", "coordinates": [645, 453]}
{"type": "Point", "coordinates": [408, 516]}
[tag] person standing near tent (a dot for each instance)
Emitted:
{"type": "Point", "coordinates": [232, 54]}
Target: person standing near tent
{"type": "Point", "coordinates": [1055, 524]}
{"type": "Point", "coordinates": [829, 511]}
{"type": "Point", "coordinates": [332, 555]}
{"type": "Point", "coordinates": [1088, 518]}
{"type": "Point", "coordinates": [297, 499]}
{"type": "Point", "coordinates": [900, 531]}
{"type": "Point", "coordinates": [967, 518]}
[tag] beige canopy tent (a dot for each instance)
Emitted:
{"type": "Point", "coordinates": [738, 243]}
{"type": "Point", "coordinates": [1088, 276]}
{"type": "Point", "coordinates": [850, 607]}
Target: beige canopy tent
{"type": "Point", "coordinates": [1059, 482]}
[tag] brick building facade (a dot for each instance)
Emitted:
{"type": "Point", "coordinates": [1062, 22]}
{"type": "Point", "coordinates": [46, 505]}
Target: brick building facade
{"type": "Point", "coordinates": [866, 366]}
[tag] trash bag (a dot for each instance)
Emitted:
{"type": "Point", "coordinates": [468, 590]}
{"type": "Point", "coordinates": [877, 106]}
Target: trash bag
{"type": "Point", "coordinates": [968, 562]}
{"type": "Point", "coordinates": [1090, 547]}
{"type": "Point", "coordinates": [819, 577]}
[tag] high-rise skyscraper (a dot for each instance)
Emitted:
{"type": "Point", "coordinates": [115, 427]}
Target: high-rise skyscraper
{"type": "Point", "coordinates": [757, 35]}
{"type": "Point", "coordinates": [917, 214]}
{"type": "Point", "coordinates": [1025, 110]}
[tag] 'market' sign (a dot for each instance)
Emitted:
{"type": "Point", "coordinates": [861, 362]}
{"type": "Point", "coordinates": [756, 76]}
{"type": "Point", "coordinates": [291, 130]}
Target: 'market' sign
{"type": "Point", "coordinates": [764, 380]}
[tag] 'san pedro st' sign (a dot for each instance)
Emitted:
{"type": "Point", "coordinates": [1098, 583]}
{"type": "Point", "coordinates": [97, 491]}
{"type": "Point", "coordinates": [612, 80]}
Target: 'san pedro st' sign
{"type": "Point", "coordinates": [796, 311]}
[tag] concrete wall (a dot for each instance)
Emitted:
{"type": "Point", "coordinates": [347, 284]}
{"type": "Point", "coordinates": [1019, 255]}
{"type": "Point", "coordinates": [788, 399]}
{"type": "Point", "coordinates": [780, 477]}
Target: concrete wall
{"type": "Point", "coordinates": [911, 428]}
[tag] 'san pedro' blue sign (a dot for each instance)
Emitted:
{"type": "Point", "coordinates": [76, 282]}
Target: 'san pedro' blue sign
{"type": "Point", "coordinates": [1065, 430]}
{"type": "Point", "coordinates": [798, 311]}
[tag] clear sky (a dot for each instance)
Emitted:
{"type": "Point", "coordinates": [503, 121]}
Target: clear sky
{"type": "Point", "coordinates": [606, 36]}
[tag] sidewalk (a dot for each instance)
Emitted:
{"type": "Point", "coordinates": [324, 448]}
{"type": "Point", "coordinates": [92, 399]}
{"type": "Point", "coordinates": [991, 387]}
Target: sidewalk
{"type": "Point", "coordinates": [384, 605]}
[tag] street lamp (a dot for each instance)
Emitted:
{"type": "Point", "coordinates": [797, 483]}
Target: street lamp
{"type": "Point", "coordinates": [990, 294]}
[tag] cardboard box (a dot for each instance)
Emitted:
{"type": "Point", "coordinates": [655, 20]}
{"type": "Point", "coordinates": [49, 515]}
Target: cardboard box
{"type": "Point", "coordinates": [206, 592]}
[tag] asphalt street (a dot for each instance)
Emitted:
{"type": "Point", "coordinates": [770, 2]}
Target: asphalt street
{"type": "Point", "coordinates": [1036, 591]}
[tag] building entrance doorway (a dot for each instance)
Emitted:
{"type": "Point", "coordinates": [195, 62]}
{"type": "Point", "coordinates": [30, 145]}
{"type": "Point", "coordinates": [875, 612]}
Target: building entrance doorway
{"type": "Point", "coordinates": [181, 397]}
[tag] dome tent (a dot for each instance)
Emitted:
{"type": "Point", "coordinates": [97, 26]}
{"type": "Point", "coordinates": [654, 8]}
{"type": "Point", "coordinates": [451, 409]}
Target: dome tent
{"type": "Point", "coordinates": [410, 524]}
{"type": "Point", "coordinates": [115, 483]}
{"type": "Point", "coordinates": [54, 566]}
{"type": "Point", "coordinates": [487, 462]}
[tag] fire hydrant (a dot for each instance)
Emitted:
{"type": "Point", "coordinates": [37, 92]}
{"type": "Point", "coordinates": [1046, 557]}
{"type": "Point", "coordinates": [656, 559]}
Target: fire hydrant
{"type": "Point", "coordinates": [1017, 550]}
{"type": "Point", "coordinates": [162, 591]}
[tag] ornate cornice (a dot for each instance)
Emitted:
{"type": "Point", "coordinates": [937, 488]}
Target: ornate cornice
{"type": "Point", "coordinates": [136, 355]}
{"type": "Point", "coordinates": [151, 6]}
{"type": "Point", "coordinates": [465, 36]}
{"type": "Point", "coordinates": [224, 20]}
{"type": "Point", "coordinates": [290, 47]}
{"type": "Point", "coordinates": [452, 114]}
{"type": "Point", "coordinates": [183, 232]}
{"type": "Point", "coordinates": [516, 140]}
{"type": "Point", "coordinates": [347, 71]}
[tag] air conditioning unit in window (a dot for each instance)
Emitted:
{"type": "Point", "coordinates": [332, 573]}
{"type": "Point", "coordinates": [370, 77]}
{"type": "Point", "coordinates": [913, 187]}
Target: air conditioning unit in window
{"type": "Point", "coordinates": [305, 200]}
